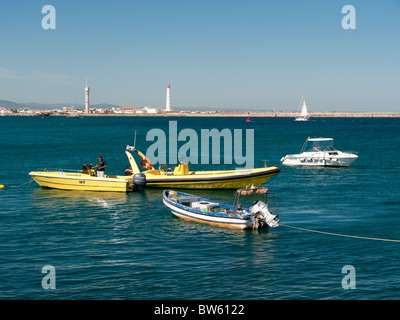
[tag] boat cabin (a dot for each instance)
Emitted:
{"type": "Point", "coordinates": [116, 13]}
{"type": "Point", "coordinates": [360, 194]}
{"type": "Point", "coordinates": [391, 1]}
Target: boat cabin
{"type": "Point", "coordinates": [319, 144]}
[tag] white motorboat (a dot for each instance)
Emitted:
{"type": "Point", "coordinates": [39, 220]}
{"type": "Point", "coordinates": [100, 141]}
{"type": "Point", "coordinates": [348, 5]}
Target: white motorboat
{"type": "Point", "coordinates": [319, 152]}
{"type": "Point", "coordinates": [303, 111]}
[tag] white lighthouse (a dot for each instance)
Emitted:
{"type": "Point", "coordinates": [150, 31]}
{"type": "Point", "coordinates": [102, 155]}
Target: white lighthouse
{"type": "Point", "coordinates": [87, 98]}
{"type": "Point", "coordinates": [168, 101]}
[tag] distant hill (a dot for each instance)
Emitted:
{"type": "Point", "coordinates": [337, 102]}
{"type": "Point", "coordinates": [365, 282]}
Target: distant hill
{"type": "Point", "coordinates": [34, 105]}
{"type": "Point", "coordinates": [10, 105]}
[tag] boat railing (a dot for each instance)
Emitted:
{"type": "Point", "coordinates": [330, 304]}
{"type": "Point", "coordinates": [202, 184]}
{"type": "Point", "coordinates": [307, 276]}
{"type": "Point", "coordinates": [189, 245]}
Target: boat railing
{"type": "Point", "coordinates": [60, 170]}
{"type": "Point", "coordinates": [350, 151]}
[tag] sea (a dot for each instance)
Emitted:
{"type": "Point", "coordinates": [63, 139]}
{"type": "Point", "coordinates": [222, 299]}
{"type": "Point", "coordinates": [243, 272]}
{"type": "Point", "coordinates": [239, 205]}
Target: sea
{"type": "Point", "coordinates": [339, 237]}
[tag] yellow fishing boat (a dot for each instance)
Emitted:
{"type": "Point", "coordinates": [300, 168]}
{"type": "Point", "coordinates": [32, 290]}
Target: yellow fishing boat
{"type": "Point", "coordinates": [182, 177]}
{"type": "Point", "coordinates": [65, 180]}
{"type": "Point", "coordinates": [135, 180]}
{"type": "Point", "coordinates": [87, 180]}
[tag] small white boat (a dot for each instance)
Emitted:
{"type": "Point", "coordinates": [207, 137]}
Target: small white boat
{"type": "Point", "coordinates": [194, 208]}
{"type": "Point", "coordinates": [303, 111]}
{"type": "Point", "coordinates": [319, 152]}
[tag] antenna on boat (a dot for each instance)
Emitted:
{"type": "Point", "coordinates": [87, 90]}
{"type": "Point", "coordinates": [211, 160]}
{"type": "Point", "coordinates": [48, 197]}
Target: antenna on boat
{"type": "Point", "coordinates": [265, 163]}
{"type": "Point", "coordinates": [129, 148]}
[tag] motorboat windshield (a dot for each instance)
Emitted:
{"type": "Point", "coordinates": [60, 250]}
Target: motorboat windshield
{"type": "Point", "coordinates": [318, 144]}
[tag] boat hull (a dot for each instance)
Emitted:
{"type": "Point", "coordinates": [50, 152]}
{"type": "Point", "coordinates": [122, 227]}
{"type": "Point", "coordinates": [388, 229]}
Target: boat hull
{"type": "Point", "coordinates": [233, 179]}
{"type": "Point", "coordinates": [80, 181]}
{"type": "Point", "coordinates": [317, 160]}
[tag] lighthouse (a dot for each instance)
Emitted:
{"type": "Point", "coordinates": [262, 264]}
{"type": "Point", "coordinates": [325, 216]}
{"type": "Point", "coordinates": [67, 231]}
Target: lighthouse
{"type": "Point", "coordinates": [87, 98]}
{"type": "Point", "coordinates": [168, 101]}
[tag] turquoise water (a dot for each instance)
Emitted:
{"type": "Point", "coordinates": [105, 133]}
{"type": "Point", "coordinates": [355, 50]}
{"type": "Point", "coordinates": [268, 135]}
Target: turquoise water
{"type": "Point", "coordinates": [130, 246]}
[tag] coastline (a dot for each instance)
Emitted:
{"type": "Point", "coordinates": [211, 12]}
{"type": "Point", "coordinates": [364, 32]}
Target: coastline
{"type": "Point", "coordinates": [236, 114]}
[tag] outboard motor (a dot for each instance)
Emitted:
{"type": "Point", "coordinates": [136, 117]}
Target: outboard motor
{"type": "Point", "coordinates": [262, 214]}
{"type": "Point", "coordinates": [139, 181]}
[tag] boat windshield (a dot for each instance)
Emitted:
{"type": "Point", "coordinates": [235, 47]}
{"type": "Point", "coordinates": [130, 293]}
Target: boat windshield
{"type": "Point", "coordinates": [318, 145]}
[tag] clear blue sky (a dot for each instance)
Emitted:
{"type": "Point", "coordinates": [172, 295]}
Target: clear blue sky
{"type": "Point", "coordinates": [224, 54]}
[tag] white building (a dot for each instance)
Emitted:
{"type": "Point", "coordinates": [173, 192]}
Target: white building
{"type": "Point", "coordinates": [4, 111]}
{"type": "Point", "coordinates": [152, 109]}
{"type": "Point", "coordinates": [68, 109]}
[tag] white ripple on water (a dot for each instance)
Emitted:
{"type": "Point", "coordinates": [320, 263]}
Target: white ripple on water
{"type": "Point", "coordinates": [103, 203]}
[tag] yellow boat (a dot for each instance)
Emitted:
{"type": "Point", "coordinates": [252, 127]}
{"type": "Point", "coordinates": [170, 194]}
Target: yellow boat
{"type": "Point", "coordinates": [181, 177]}
{"type": "Point", "coordinates": [87, 180]}
{"type": "Point", "coordinates": [81, 181]}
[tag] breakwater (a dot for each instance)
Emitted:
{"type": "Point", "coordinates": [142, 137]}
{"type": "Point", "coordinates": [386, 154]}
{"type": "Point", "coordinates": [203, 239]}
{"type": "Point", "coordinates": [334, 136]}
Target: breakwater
{"type": "Point", "coordinates": [236, 114]}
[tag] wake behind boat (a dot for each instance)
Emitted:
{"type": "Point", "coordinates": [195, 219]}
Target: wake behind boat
{"type": "Point", "coordinates": [194, 208]}
{"type": "Point", "coordinates": [319, 152]}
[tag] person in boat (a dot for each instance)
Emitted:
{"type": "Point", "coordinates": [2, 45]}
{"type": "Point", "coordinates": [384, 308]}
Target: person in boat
{"type": "Point", "coordinates": [101, 165]}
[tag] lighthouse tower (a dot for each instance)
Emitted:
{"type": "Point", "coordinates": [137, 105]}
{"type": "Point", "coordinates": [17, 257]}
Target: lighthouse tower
{"type": "Point", "coordinates": [168, 101]}
{"type": "Point", "coordinates": [87, 98]}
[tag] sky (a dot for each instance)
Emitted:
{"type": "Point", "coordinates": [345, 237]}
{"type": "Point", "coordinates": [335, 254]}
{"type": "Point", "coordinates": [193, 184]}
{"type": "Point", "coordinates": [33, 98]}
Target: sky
{"type": "Point", "coordinates": [216, 54]}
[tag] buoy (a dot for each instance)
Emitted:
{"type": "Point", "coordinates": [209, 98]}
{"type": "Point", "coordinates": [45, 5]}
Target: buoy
{"type": "Point", "coordinates": [1, 186]}
{"type": "Point", "coordinates": [148, 164]}
{"type": "Point", "coordinates": [248, 117]}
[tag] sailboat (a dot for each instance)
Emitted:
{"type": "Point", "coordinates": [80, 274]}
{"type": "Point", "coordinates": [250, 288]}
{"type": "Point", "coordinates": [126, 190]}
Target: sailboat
{"type": "Point", "coordinates": [303, 111]}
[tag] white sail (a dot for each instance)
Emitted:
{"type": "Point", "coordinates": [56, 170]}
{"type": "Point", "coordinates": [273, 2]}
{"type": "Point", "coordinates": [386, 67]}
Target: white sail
{"type": "Point", "coordinates": [303, 111]}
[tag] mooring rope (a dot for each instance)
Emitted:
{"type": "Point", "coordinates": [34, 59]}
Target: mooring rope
{"type": "Point", "coordinates": [338, 234]}
{"type": "Point", "coordinates": [22, 184]}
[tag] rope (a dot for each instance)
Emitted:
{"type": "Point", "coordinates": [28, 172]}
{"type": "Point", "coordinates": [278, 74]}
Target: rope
{"type": "Point", "coordinates": [339, 235]}
{"type": "Point", "coordinates": [22, 184]}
